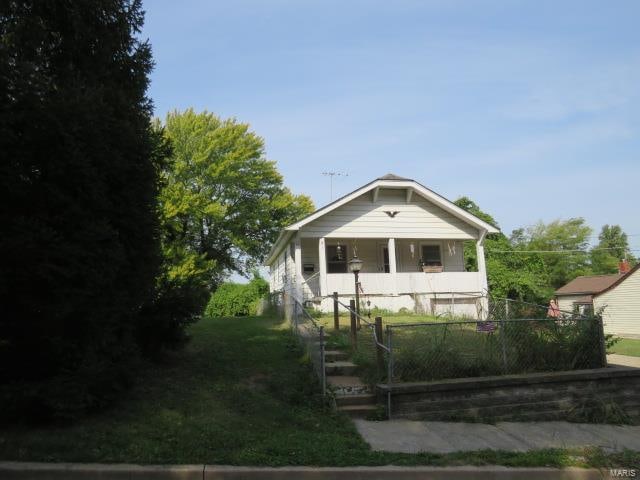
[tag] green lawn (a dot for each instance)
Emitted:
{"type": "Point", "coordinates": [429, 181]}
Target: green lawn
{"type": "Point", "coordinates": [626, 346]}
{"type": "Point", "coordinates": [239, 394]}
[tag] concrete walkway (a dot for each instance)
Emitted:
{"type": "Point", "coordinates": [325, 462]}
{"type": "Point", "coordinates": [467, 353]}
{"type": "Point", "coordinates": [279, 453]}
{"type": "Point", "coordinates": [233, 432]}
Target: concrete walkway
{"type": "Point", "coordinates": [623, 360]}
{"type": "Point", "coordinates": [408, 436]}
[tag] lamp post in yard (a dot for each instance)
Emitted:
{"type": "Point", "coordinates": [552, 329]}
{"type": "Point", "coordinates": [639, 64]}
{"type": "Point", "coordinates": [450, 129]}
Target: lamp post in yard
{"type": "Point", "coordinates": [355, 265]}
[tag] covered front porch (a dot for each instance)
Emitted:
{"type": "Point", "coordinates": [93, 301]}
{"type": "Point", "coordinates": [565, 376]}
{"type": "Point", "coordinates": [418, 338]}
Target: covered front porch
{"type": "Point", "coordinates": [390, 266]}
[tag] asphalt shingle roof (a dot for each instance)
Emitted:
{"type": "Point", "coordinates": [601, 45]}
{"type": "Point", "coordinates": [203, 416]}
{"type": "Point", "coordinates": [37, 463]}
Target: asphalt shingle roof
{"type": "Point", "coordinates": [588, 284]}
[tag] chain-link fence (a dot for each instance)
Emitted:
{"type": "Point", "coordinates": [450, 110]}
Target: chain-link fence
{"type": "Point", "coordinates": [513, 338]}
{"type": "Point", "coordinates": [309, 333]}
{"type": "Point", "coordinates": [435, 351]}
{"type": "Point", "coordinates": [516, 337]}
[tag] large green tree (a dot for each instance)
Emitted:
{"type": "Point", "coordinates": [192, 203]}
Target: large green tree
{"type": "Point", "coordinates": [223, 203]}
{"type": "Point", "coordinates": [612, 247]}
{"type": "Point", "coordinates": [79, 248]}
{"type": "Point", "coordinates": [563, 247]}
{"type": "Point", "coordinates": [510, 274]}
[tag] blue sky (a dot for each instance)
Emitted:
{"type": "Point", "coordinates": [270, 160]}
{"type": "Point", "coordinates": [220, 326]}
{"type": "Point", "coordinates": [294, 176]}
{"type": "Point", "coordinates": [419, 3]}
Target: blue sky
{"type": "Point", "coordinates": [530, 108]}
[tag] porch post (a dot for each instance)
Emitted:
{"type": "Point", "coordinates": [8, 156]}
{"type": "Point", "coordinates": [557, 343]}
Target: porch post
{"type": "Point", "coordinates": [482, 272]}
{"type": "Point", "coordinates": [322, 259]}
{"type": "Point", "coordinates": [298, 265]}
{"type": "Point", "coordinates": [392, 265]}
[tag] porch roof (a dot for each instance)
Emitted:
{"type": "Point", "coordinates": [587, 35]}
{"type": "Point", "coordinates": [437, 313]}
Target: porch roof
{"type": "Point", "coordinates": [387, 181]}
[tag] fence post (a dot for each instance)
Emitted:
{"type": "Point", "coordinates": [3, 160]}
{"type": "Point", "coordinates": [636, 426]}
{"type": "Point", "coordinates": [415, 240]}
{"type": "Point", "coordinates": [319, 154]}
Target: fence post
{"type": "Point", "coordinates": [336, 317]}
{"type": "Point", "coordinates": [603, 346]}
{"type": "Point", "coordinates": [503, 337]}
{"type": "Point", "coordinates": [503, 344]}
{"type": "Point", "coordinates": [379, 350]}
{"type": "Point", "coordinates": [389, 371]}
{"type": "Point", "coordinates": [322, 366]}
{"type": "Point", "coordinates": [352, 313]}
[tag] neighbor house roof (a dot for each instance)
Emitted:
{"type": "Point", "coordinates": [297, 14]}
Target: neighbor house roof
{"type": "Point", "coordinates": [588, 285]}
{"type": "Point", "coordinates": [390, 181]}
{"type": "Point", "coordinates": [621, 278]}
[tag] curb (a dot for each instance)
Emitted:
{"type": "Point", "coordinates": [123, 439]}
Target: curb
{"type": "Point", "coordinates": [80, 471]}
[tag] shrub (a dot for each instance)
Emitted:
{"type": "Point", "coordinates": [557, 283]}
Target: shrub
{"type": "Point", "coordinates": [79, 250]}
{"type": "Point", "coordinates": [237, 300]}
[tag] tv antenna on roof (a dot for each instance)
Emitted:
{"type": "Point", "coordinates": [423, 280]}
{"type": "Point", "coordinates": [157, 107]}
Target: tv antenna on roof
{"type": "Point", "coordinates": [331, 175]}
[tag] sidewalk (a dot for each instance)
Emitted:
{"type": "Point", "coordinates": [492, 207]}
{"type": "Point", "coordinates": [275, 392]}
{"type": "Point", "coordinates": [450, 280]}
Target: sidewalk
{"type": "Point", "coordinates": [406, 436]}
{"type": "Point", "coordinates": [623, 360]}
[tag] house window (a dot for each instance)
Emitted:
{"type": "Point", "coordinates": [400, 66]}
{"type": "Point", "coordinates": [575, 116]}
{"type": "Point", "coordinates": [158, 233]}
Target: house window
{"type": "Point", "coordinates": [336, 259]}
{"type": "Point", "coordinates": [585, 309]}
{"type": "Point", "coordinates": [431, 255]}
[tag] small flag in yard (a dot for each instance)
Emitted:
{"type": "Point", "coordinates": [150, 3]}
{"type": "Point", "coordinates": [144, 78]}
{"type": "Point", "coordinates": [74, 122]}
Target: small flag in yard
{"type": "Point", "coordinates": [485, 327]}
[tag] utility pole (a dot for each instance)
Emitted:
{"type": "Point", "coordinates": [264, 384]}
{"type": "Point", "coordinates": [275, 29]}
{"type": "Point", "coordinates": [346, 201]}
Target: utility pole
{"type": "Point", "coordinates": [331, 175]}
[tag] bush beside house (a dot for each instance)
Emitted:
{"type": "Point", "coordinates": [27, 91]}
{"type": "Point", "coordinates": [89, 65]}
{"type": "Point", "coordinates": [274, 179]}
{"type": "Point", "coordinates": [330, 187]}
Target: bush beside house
{"type": "Point", "coordinates": [236, 299]}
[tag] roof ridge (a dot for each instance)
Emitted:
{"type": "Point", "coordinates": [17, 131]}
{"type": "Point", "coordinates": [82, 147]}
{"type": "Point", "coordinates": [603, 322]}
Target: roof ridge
{"type": "Point", "coordinates": [393, 176]}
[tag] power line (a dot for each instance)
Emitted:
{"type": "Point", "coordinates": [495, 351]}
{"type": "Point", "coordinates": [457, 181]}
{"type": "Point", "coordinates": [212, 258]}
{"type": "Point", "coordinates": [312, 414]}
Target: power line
{"type": "Point", "coordinates": [562, 251]}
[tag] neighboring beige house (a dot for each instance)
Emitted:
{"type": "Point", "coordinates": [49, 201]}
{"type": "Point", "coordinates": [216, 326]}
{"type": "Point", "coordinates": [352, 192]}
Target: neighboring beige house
{"type": "Point", "coordinates": [577, 295]}
{"type": "Point", "coordinates": [621, 305]}
{"type": "Point", "coordinates": [617, 296]}
{"type": "Point", "coordinates": [409, 238]}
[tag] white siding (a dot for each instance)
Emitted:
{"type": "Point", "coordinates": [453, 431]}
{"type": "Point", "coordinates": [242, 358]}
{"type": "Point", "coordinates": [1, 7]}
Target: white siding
{"type": "Point", "coordinates": [282, 273]}
{"type": "Point", "coordinates": [565, 302]}
{"type": "Point", "coordinates": [621, 304]}
{"type": "Point", "coordinates": [277, 272]}
{"type": "Point", "coordinates": [365, 219]}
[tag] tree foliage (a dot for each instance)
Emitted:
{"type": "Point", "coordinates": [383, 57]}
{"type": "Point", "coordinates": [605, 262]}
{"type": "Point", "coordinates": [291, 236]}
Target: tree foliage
{"type": "Point", "coordinates": [523, 266]}
{"type": "Point", "coordinates": [237, 299]}
{"type": "Point", "coordinates": [613, 246]}
{"type": "Point", "coordinates": [79, 249]}
{"type": "Point", "coordinates": [568, 236]}
{"type": "Point", "coordinates": [222, 205]}
{"type": "Point", "coordinates": [508, 275]}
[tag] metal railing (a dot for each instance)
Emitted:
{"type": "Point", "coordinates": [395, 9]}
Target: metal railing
{"type": "Point", "coordinates": [310, 335]}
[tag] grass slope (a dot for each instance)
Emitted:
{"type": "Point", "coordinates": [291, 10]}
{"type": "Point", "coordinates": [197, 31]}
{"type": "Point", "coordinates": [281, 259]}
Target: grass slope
{"type": "Point", "coordinates": [239, 394]}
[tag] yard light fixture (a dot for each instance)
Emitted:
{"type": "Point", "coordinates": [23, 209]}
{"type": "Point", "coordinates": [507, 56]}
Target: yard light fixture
{"type": "Point", "coordinates": [355, 265]}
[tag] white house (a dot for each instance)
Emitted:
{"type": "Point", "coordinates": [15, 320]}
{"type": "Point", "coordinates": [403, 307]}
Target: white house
{"type": "Point", "coordinates": [399, 229]}
{"type": "Point", "coordinates": [620, 304]}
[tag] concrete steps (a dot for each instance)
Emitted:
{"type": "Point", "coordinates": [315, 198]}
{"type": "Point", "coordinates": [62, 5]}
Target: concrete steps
{"type": "Point", "coordinates": [335, 355]}
{"type": "Point", "coordinates": [357, 399]}
{"type": "Point", "coordinates": [352, 395]}
{"type": "Point", "coordinates": [341, 367]}
{"type": "Point", "coordinates": [347, 385]}
{"type": "Point", "coordinates": [358, 411]}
